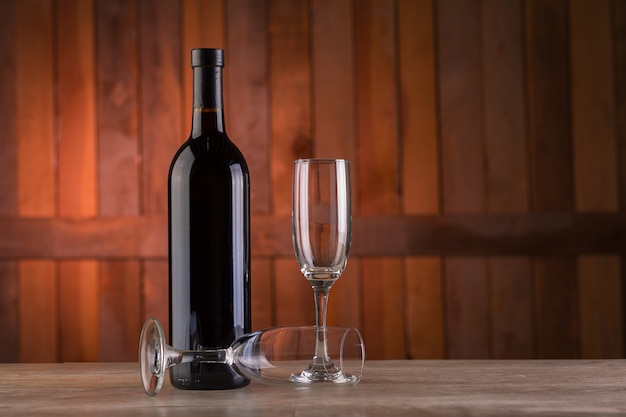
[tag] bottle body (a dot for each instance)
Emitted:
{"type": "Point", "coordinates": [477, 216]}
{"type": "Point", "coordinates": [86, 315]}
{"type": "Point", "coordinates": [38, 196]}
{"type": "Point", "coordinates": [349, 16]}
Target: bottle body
{"type": "Point", "coordinates": [209, 250]}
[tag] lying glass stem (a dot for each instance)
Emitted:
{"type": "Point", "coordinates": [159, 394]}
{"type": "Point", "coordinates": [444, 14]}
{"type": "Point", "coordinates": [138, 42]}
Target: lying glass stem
{"type": "Point", "coordinates": [224, 356]}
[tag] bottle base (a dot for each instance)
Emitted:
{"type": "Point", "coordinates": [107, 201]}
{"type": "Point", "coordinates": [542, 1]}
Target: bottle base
{"type": "Point", "coordinates": [206, 377]}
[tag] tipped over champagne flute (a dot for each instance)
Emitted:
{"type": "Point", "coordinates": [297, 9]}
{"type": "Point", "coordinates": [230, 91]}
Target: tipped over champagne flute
{"type": "Point", "coordinates": [271, 356]}
{"type": "Point", "coordinates": [322, 234]}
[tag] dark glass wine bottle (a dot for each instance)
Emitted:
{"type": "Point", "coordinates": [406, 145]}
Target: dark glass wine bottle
{"type": "Point", "coordinates": [209, 235]}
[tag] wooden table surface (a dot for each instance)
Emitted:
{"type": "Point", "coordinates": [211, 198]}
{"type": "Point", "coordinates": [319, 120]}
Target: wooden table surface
{"type": "Point", "coordinates": [389, 388]}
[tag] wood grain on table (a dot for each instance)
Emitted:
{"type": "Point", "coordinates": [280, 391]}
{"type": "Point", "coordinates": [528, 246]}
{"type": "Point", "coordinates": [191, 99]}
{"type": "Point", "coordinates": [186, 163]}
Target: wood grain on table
{"type": "Point", "coordinates": [394, 388]}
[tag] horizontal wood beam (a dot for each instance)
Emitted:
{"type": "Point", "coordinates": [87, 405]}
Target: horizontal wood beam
{"type": "Point", "coordinates": [549, 234]}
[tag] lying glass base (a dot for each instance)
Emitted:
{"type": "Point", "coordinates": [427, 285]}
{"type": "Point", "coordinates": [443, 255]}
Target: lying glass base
{"type": "Point", "coordinates": [324, 372]}
{"type": "Point", "coordinates": [152, 356]}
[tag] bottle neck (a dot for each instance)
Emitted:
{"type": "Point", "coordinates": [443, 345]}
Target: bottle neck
{"type": "Point", "coordinates": [208, 106]}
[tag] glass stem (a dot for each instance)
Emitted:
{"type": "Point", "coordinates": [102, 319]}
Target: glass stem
{"type": "Point", "coordinates": [321, 301]}
{"type": "Point", "coordinates": [205, 356]}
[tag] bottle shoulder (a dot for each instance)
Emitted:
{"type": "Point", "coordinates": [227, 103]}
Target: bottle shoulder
{"type": "Point", "coordinates": [212, 150]}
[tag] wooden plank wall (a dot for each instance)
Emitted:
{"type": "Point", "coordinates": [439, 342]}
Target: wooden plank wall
{"type": "Point", "coordinates": [488, 149]}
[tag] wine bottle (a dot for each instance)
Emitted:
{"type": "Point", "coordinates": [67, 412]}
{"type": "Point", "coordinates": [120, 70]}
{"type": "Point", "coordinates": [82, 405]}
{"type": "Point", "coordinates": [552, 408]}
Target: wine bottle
{"type": "Point", "coordinates": [209, 235]}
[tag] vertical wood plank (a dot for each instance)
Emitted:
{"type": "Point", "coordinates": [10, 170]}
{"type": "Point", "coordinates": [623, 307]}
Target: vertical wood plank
{"type": "Point", "coordinates": [506, 173]}
{"type": "Point", "coordinates": [155, 293]}
{"type": "Point", "coordinates": [556, 308]}
{"type": "Point", "coordinates": [547, 71]}
{"type": "Point", "coordinates": [550, 167]}
{"type": "Point", "coordinates": [593, 106]}
{"type": "Point", "coordinates": [334, 124]}
{"type": "Point", "coordinates": [379, 171]}
{"type": "Point", "coordinates": [263, 293]}
{"type": "Point", "coordinates": [160, 126]}
{"type": "Point", "coordinates": [511, 308]}
{"type": "Point", "coordinates": [600, 307]}
{"type": "Point", "coordinates": [34, 83]}
{"type": "Point", "coordinates": [9, 349]}
{"type": "Point", "coordinates": [75, 59]}
{"type": "Point", "coordinates": [618, 21]}
{"type": "Point", "coordinates": [383, 289]}
{"type": "Point", "coordinates": [9, 304]}
{"type": "Point", "coordinates": [202, 27]}
{"type": "Point", "coordinates": [595, 171]}
{"type": "Point", "coordinates": [618, 25]}
{"type": "Point", "coordinates": [248, 99]}
{"type": "Point", "coordinates": [160, 102]}
{"type": "Point", "coordinates": [424, 308]}
{"type": "Point", "coordinates": [8, 110]}
{"type": "Point", "coordinates": [290, 130]}
{"type": "Point", "coordinates": [420, 171]}
{"type": "Point", "coordinates": [117, 108]}
{"type": "Point", "coordinates": [77, 180]}
{"type": "Point", "coordinates": [418, 111]}
{"type": "Point", "coordinates": [78, 311]}
{"type": "Point", "coordinates": [377, 107]}
{"type": "Point", "coordinates": [120, 289]}
{"type": "Point", "coordinates": [333, 79]}
{"type": "Point", "coordinates": [460, 106]}
{"type": "Point", "coordinates": [467, 308]}
{"type": "Point", "coordinates": [504, 113]}
{"type": "Point", "coordinates": [38, 311]}
{"type": "Point", "coordinates": [119, 165]}
{"type": "Point", "coordinates": [295, 304]}
{"type": "Point", "coordinates": [463, 176]}
{"type": "Point", "coordinates": [290, 81]}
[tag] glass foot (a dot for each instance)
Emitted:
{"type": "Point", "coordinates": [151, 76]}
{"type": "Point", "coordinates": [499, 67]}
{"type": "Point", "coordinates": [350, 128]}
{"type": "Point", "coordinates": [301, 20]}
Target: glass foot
{"type": "Point", "coordinates": [152, 352]}
{"type": "Point", "coordinates": [323, 372]}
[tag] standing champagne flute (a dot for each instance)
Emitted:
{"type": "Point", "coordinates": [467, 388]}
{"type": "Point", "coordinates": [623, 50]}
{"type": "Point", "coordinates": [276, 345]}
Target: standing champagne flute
{"type": "Point", "coordinates": [322, 233]}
